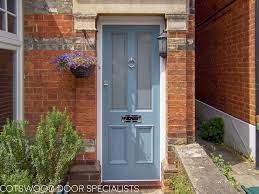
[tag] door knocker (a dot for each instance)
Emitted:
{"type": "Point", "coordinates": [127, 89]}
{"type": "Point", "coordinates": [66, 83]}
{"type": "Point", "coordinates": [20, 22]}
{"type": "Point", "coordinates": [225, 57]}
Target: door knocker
{"type": "Point", "coordinates": [131, 63]}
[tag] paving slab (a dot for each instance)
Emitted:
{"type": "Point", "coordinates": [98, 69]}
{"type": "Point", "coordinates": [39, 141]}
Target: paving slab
{"type": "Point", "coordinates": [243, 169]}
{"type": "Point", "coordinates": [204, 176]}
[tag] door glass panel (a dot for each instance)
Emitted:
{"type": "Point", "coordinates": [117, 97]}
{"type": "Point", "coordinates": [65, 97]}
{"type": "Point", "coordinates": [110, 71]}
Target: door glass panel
{"type": "Point", "coordinates": [144, 71]}
{"type": "Point", "coordinates": [119, 70]}
{"type": "Point", "coordinates": [7, 75]}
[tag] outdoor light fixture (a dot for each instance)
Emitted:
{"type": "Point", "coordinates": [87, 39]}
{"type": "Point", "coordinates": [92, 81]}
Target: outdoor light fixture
{"type": "Point", "coordinates": [162, 41]}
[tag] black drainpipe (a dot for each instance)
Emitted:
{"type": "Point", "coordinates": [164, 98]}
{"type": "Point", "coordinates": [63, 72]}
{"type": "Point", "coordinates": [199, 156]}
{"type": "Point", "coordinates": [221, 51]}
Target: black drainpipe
{"type": "Point", "coordinates": [257, 81]}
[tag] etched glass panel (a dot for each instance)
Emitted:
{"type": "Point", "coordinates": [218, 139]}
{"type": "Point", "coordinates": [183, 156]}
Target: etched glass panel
{"type": "Point", "coordinates": [144, 71]}
{"type": "Point", "coordinates": [119, 70]}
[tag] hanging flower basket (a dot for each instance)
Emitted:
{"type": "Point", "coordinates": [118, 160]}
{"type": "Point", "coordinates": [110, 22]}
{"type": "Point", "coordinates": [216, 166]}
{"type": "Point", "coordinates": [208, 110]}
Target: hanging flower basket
{"type": "Point", "coordinates": [81, 72]}
{"type": "Point", "coordinates": [78, 63]}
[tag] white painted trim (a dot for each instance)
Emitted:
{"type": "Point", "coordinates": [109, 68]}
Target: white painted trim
{"type": "Point", "coordinates": [238, 134]}
{"type": "Point", "coordinates": [14, 42]}
{"type": "Point", "coordinates": [4, 45]}
{"type": "Point", "coordinates": [9, 38]}
{"type": "Point", "coordinates": [20, 59]}
{"type": "Point", "coordinates": [19, 84]}
{"type": "Point", "coordinates": [130, 20]}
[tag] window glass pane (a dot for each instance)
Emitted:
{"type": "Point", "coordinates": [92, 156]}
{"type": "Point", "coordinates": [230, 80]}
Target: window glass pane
{"type": "Point", "coordinates": [144, 85]}
{"type": "Point", "coordinates": [11, 5]}
{"type": "Point", "coordinates": [11, 24]}
{"type": "Point", "coordinates": [6, 86]}
{"type": "Point", "coordinates": [2, 21]}
{"type": "Point", "coordinates": [2, 4]}
{"type": "Point", "coordinates": [119, 70]}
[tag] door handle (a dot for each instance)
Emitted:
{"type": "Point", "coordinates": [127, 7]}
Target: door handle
{"type": "Point", "coordinates": [105, 83]}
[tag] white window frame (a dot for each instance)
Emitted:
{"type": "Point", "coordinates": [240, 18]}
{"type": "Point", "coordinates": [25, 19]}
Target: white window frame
{"type": "Point", "coordinates": [14, 42]}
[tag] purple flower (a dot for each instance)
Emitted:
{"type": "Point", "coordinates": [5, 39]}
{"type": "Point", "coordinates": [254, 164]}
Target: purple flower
{"type": "Point", "coordinates": [74, 60]}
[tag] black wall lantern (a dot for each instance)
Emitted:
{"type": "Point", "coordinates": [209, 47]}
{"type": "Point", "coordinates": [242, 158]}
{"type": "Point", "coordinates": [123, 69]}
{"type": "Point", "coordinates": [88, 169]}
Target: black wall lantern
{"type": "Point", "coordinates": [162, 41]}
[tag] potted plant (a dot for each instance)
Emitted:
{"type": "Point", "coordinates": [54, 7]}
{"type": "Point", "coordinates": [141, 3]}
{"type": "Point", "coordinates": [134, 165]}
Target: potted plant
{"type": "Point", "coordinates": [79, 63]}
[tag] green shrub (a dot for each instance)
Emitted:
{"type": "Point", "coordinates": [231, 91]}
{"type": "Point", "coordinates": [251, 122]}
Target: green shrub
{"type": "Point", "coordinates": [43, 161]}
{"type": "Point", "coordinates": [213, 130]}
{"type": "Point", "coordinates": [226, 169]}
{"type": "Point", "coordinates": [19, 178]}
{"type": "Point", "coordinates": [14, 150]}
{"type": "Point", "coordinates": [56, 145]}
{"type": "Point", "coordinates": [180, 184]}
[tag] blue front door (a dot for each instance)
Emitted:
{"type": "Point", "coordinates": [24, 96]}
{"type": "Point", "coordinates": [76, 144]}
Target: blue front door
{"type": "Point", "coordinates": [131, 98]}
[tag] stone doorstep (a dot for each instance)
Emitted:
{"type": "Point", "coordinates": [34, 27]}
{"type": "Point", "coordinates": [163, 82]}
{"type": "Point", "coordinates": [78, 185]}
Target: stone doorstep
{"type": "Point", "coordinates": [88, 173]}
{"type": "Point", "coordinates": [204, 176]}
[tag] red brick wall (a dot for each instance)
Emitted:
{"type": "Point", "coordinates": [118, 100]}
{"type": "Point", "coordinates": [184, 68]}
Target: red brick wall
{"type": "Point", "coordinates": [225, 59]}
{"type": "Point", "coordinates": [206, 8]}
{"type": "Point", "coordinates": [45, 87]}
{"type": "Point", "coordinates": [6, 86]}
{"type": "Point", "coordinates": [181, 90]}
{"type": "Point", "coordinates": [48, 25]}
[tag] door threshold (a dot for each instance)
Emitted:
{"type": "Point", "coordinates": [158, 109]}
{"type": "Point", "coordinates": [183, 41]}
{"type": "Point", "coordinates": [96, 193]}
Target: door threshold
{"type": "Point", "coordinates": [141, 184]}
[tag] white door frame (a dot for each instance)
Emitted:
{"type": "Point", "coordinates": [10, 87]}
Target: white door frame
{"type": "Point", "coordinates": [130, 20]}
{"type": "Point", "coordinates": [14, 42]}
